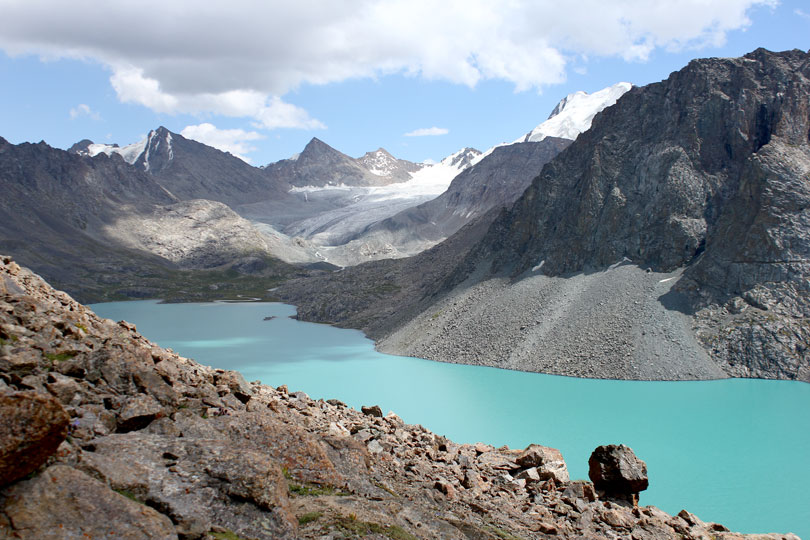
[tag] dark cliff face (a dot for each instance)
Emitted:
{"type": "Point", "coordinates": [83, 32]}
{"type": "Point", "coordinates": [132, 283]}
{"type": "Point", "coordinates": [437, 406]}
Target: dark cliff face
{"type": "Point", "coordinates": [55, 206]}
{"type": "Point", "coordinates": [708, 170]}
{"type": "Point", "coordinates": [77, 191]}
{"type": "Point", "coordinates": [659, 174]}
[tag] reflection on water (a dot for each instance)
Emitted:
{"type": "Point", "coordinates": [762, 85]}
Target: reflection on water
{"type": "Point", "coordinates": [732, 451]}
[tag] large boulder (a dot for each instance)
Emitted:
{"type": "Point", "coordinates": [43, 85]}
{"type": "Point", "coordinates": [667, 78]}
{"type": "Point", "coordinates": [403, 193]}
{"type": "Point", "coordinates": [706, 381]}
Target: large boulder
{"type": "Point", "coordinates": [617, 473]}
{"type": "Point", "coordinates": [373, 410]}
{"type": "Point", "coordinates": [32, 426]}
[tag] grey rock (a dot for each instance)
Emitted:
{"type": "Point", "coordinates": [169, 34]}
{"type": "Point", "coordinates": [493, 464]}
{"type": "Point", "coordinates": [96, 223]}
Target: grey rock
{"type": "Point", "coordinates": [138, 412]}
{"type": "Point", "coordinates": [63, 503]}
{"type": "Point", "coordinates": [237, 384]}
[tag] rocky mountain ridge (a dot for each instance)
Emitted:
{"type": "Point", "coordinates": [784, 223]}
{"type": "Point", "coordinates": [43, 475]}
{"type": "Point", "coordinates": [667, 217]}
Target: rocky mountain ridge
{"type": "Point", "coordinates": [701, 180]}
{"type": "Point", "coordinates": [123, 439]}
{"type": "Point", "coordinates": [99, 225]}
{"type": "Point", "coordinates": [321, 165]}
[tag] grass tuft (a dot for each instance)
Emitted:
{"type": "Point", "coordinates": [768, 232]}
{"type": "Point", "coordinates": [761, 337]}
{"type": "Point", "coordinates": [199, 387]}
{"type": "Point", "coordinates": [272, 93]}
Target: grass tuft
{"type": "Point", "coordinates": [309, 517]}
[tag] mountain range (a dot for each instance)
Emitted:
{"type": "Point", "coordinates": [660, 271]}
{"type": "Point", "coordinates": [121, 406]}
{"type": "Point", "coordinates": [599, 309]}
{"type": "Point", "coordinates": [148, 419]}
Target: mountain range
{"type": "Point", "coordinates": [107, 222]}
{"type": "Point", "coordinates": [669, 241]}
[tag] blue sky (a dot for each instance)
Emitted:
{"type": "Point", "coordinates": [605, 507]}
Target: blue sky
{"type": "Point", "coordinates": [260, 79]}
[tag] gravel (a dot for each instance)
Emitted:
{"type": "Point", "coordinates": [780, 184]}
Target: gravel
{"type": "Point", "coordinates": [620, 323]}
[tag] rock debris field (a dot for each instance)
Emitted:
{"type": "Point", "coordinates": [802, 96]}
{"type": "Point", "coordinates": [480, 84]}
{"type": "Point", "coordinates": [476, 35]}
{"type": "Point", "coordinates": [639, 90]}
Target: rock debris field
{"type": "Point", "coordinates": [619, 323]}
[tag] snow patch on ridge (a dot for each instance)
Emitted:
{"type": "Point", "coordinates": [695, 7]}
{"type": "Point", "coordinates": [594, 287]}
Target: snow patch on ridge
{"type": "Point", "coordinates": [574, 114]}
{"type": "Point", "coordinates": [130, 152]}
{"type": "Point", "coordinates": [379, 163]}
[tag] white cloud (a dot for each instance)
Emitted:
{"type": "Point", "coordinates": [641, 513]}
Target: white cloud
{"type": "Point", "coordinates": [83, 109]}
{"type": "Point", "coordinates": [802, 13]}
{"type": "Point", "coordinates": [277, 114]}
{"type": "Point", "coordinates": [270, 112]}
{"type": "Point", "coordinates": [239, 59]}
{"type": "Point", "coordinates": [235, 141]}
{"type": "Point", "coordinates": [424, 132]}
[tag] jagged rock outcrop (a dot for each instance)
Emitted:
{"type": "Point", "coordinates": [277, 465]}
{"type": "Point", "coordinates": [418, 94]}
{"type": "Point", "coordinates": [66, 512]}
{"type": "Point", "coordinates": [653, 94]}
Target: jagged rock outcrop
{"type": "Point", "coordinates": [214, 456]}
{"type": "Point", "coordinates": [63, 503]}
{"type": "Point", "coordinates": [381, 163]}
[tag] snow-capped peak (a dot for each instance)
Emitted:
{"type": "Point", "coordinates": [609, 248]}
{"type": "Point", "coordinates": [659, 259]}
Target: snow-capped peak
{"type": "Point", "coordinates": [462, 159]}
{"type": "Point", "coordinates": [379, 162]}
{"type": "Point", "coordinates": [574, 114]}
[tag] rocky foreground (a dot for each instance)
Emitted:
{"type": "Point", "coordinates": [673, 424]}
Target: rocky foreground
{"type": "Point", "coordinates": [106, 435]}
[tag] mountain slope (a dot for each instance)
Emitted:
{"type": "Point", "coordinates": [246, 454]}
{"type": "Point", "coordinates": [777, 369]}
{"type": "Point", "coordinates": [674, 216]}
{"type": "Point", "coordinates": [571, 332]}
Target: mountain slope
{"type": "Point", "coordinates": [701, 179]}
{"type": "Point", "coordinates": [707, 171]}
{"type": "Point", "coordinates": [104, 228]}
{"type": "Point", "coordinates": [494, 179]}
{"type": "Point", "coordinates": [191, 170]}
{"type": "Point", "coordinates": [321, 165]}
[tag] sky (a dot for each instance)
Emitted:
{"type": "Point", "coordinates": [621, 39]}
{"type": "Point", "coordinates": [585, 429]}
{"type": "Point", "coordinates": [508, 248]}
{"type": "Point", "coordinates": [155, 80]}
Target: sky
{"type": "Point", "coordinates": [420, 78]}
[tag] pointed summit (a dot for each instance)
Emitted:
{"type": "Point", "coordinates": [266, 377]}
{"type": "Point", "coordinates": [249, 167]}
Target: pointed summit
{"type": "Point", "coordinates": [381, 163]}
{"type": "Point", "coordinates": [575, 112]}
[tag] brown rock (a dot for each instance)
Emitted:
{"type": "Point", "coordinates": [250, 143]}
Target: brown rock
{"type": "Point", "coordinates": [445, 487]}
{"type": "Point", "coordinates": [530, 475]}
{"type": "Point", "coordinates": [63, 503]}
{"type": "Point", "coordinates": [199, 482]}
{"type": "Point", "coordinates": [616, 471]}
{"type": "Point", "coordinates": [548, 461]}
{"type": "Point", "coordinates": [580, 489]}
{"type": "Point", "coordinates": [32, 426]}
{"type": "Point", "coordinates": [374, 410]}
{"type": "Point", "coordinates": [62, 387]}
{"type": "Point", "coordinates": [546, 528]}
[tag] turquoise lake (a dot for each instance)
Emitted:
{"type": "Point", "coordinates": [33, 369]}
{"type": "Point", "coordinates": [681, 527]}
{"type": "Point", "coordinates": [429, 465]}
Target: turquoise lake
{"type": "Point", "coordinates": [732, 451]}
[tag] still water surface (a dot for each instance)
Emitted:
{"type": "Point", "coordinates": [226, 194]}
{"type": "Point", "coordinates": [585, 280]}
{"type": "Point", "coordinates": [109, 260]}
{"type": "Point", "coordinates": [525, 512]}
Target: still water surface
{"type": "Point", "coordinates": [733, 451]}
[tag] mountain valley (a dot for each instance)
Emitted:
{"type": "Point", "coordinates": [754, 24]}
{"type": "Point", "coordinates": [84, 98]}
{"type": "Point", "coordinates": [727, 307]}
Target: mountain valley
{"type": "Point", "coordinates": [669, 241]}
